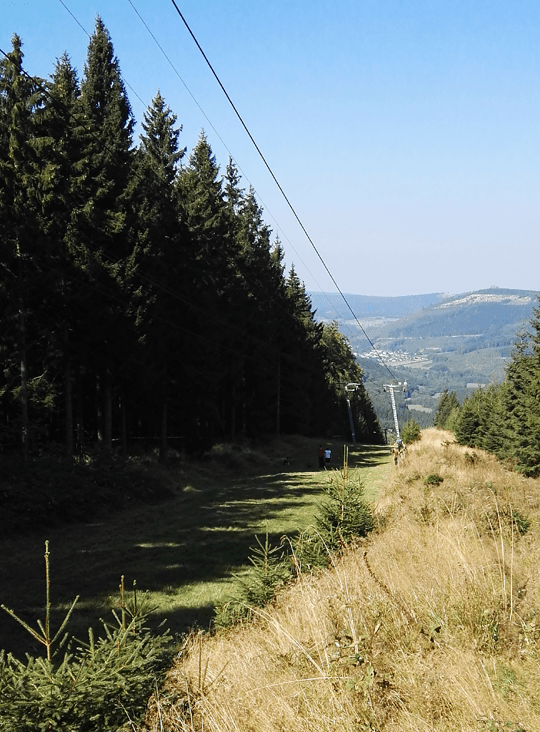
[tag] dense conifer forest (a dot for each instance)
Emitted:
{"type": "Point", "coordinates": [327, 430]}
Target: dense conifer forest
{"type": "Point", "coordinates": [142, 295]}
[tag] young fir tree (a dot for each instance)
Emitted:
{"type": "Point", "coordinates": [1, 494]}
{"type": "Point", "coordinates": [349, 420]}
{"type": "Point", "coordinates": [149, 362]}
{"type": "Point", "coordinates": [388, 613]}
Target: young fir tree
{"type": "Point", "coordinates": [492, 419]}
{"type": "Point", "coordinates": [467, 424]}
{"type": "Point", "coordinates": [446, 409]}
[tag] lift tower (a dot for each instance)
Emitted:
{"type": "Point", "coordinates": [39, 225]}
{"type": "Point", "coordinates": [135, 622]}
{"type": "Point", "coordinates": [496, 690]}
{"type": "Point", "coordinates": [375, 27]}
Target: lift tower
{"type": "Point", "coordinates": [391, 388]}
{"type": "Point", "coordinates": [350, 389]}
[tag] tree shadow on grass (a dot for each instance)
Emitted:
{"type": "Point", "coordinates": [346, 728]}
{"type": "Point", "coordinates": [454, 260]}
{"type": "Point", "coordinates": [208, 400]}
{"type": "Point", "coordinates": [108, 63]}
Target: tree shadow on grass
{"type": "Point", "coordinates": [183, 551]}
{"type": "Point", "coordinates": [201, 536]}
{"type": "Point", "coordinates": [368, 456]}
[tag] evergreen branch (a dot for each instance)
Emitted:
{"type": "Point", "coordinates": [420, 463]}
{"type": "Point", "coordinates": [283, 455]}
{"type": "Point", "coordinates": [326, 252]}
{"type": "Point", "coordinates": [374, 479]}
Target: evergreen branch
{"type": "Point", "coordinates": [66, 619]}
{"type": "Point", "coordinates": [25, 625]}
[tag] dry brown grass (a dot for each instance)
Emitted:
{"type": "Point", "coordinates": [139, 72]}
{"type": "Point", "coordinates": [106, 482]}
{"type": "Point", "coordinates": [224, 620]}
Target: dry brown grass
{"type": "Point", "coordinates": [431, 624]}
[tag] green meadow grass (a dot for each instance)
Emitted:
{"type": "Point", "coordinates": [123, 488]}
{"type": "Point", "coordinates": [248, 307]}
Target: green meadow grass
{"type": "Point", "coordinates": [184, 552]}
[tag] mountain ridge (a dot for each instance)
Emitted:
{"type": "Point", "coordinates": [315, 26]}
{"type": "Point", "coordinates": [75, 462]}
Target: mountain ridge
{"type": "Point", "coordinates": [434, 342]}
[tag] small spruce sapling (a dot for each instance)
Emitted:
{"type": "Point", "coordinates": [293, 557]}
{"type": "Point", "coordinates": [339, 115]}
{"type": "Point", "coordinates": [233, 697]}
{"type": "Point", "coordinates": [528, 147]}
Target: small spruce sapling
{"type": "Point", "coordinates": [102, 684]}
{"type": "Point", "coordinates": [44, 633]}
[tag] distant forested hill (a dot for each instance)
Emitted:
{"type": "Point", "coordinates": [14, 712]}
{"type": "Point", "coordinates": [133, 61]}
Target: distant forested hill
{"type": "Point", "coordinates": [330, 305]}
{"type": "Point", "coordinates": [433, 342]}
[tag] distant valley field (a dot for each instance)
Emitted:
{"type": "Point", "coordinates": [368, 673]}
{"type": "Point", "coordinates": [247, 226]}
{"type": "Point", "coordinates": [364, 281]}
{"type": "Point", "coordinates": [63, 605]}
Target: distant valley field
{"type": "Point", "coordinates": [433, 342]}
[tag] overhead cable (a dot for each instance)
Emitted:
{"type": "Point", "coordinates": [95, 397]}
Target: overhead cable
{"type": "Point", "coordinates": [297, 217]}
{"type": "Point", "coordinates": [265, 207]}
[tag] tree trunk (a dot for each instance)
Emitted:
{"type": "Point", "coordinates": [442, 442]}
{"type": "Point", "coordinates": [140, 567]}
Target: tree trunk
{"type": "Point", "coordinates": [79, 438]}
{"type": "Point", "coordinates": [68, 406]}
{"type": "Point", "coordinates": [68, 399]}
{"type": "Point", "coordinates": [25, 436]}
{"type": "Point", "coordinates": [163, 446]}
{"type": "Point", "coordinates": [108, 410]}
{"type": "Point", "coordinates": [278, 405]}
{"type": "Point", "coordinates": [123, 424]}
{"type": "Point", "coordinates": [99, 408]}
{"type": "Point", "coordinates": [233, 413]}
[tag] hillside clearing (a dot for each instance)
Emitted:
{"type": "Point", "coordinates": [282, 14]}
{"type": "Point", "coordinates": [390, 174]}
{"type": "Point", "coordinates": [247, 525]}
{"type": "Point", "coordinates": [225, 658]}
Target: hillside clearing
{"type": "Point", "coordinates": [184, 551]}
{"type": "Point", "coordinates": [431, 623]}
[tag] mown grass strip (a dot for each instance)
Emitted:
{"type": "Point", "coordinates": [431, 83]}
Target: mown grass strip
{"type": "Point", "coordinates": [184, 551]}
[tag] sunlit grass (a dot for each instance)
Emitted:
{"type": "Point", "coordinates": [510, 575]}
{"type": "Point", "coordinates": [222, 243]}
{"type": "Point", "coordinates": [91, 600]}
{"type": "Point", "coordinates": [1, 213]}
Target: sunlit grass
{"type": "Point", "coordinates": [429, 624]}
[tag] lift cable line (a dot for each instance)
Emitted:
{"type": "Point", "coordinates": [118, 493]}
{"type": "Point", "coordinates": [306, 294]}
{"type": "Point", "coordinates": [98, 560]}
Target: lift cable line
{"type": "Point", "coordinates": [244, 125]}
{"type": "Point", "coordinates": [379, 357]}
{"type": "Point", "coordinates": [350, 387]}
{"type": "Point", "coordinates": [40, 84]}
{"type": "Point", "coordinates": [265, 207]}
{"type": "Point", "coordinates": [88, 34]}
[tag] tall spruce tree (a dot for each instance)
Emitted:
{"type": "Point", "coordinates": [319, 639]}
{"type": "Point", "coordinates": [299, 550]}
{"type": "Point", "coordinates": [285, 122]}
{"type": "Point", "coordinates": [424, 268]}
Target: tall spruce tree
{"type": "Point", "coordinates": [99, 228]}
{"type": "Point", "coordinates": [156, 274]}
{"type": "Point", "coordinates": [209, 259]}
{"type": "Point", "coordinates": [263, 305]}
{"type": "Point", "coordinates": [233, 377]}
{"type": "Point", "coordinates": [302, 371]}
{"type": "Point", "coordinates": [62, 154]}
{"type": "Point", "coordinates": [521, 438]}
{"type": "Point", "coordinates": [20, 178]}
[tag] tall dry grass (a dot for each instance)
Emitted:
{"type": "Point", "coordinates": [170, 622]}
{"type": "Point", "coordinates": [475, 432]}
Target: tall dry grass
{"type": "Point", "coordinates": [430, 624]}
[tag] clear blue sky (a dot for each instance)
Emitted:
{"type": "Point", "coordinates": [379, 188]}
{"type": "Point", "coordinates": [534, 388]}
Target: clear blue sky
{"type": "Point", "coordinates": [406, 134]}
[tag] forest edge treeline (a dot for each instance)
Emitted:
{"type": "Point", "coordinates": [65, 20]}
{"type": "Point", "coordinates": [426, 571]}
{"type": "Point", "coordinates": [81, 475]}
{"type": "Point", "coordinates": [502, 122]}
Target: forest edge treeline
{"type": "Point", "coordinates": [141, 294]}
{"type": "Point", "coordinates": [503, 419]}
